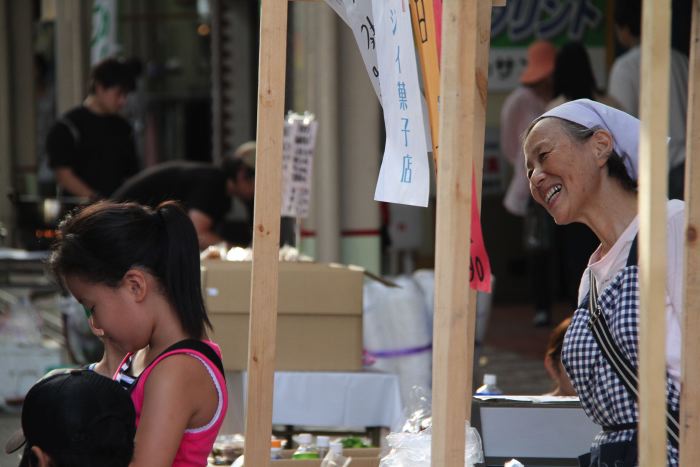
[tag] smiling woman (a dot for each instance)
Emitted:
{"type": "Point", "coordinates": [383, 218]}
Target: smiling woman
{"type": "Point", "coordinates": [581, 160]}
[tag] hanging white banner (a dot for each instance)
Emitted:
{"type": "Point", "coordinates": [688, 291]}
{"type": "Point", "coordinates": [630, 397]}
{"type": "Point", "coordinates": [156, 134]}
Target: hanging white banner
{"type": "Point", "coordinates": [103, 42]}
{"type": "Point", "coordinates": [339, 7]}
{"type": "Point", "coordinates": [360, 19]}
{"type": "Point", "coordinates": [299, 143]}
{"type": "Point", "coordinates": [404, 176]}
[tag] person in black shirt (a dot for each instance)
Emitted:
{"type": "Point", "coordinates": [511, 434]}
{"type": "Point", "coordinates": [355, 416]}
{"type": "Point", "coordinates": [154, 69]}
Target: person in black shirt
{"type": "Point", "coordinates": [91, 147]}
{"type": "Point", "coordinates": [204, 190]}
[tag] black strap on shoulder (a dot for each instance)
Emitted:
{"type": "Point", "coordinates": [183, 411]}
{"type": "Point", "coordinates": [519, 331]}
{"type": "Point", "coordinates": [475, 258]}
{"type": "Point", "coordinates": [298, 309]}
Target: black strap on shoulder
{"type": "Point", "coordinates": [199, 346]}
{"type": "Point", "coordinates": [72, 128]}
{"type": "Point", "coordinates": [632, 257]}
{"type": "Point", "coordinates": [626, 372]}
{"type": "Point", "coordinates": [191, 344]}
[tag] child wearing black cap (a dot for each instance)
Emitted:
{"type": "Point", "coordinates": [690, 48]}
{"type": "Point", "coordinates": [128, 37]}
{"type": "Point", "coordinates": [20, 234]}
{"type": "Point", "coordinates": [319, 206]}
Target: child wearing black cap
{"type": "Point", "coordinates": [136, 270]}
{"type": "Point", "coordinates": [75, 419]}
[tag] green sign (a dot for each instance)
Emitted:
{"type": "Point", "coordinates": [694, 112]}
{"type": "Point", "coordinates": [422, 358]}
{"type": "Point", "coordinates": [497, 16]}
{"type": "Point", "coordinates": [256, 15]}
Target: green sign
{"type": "Point", "coordinates": [559, 21]}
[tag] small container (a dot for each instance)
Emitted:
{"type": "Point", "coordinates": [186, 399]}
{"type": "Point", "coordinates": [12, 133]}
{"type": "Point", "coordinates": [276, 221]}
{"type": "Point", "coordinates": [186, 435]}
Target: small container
{"type": "Point", "coordinates": [305, 450]}
{"type": "Point", "coordinates": [276, 449]}
{"type": "Point", "coordinates": [489, 387]}
{"type": "Point", "coordinates": [322, 445]}
{"type": "Point", "coordinates": [336, 448]}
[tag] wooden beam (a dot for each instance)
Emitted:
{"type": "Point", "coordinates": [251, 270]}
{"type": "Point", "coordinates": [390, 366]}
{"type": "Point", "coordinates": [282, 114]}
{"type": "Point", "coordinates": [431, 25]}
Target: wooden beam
{"type": "Point", "coordinates": [266, 222]}
{"type": "Point", "coordinates": [653, 183]}
{"type": "Point", "coordinates": [457, 131]}
{"type": "Point", "coordinates": [690, 373]}
{"type": "Point", "coordinates": [482, 78]}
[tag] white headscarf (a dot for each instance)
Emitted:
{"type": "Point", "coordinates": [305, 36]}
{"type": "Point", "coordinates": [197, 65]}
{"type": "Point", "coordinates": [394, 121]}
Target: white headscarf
{"type": "Point", "coordinates": [623, 127]}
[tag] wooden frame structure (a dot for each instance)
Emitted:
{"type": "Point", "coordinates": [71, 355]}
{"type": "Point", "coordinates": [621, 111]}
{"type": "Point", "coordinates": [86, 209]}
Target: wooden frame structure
{"type": "Point", "coordinates": [690, 377]}
{"type": "Point", "coordinates": [464, 79]}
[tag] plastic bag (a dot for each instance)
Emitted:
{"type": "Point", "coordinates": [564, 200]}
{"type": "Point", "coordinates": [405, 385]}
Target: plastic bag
{"type": "Point", "coordinates": [396, 334]}
{"type": "Point", "coordinates": [418, 411]}
{"type": "Point", "coordinates": [414, 449]}
{"type": "Point", "coordinates": [333, 459]}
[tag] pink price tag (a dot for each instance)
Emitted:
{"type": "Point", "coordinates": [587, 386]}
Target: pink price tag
{"type": "Point", "coordinates": [437, 8]}
{"type": "Point", "coordinates": [479, 265]}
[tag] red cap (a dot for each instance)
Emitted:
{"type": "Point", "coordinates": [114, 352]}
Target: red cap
{"type": "Point", "coordinates": [540, 62]}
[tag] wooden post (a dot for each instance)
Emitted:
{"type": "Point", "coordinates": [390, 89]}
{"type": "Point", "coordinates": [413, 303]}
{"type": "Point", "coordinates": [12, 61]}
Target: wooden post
{"type": "Point", "coordinates": [482, 78]}
{"type": "Point", "coordinates": [690, 373]}
{"type": "Point", "coordinates": [653, 167]}
{"type": "Point", "coordinates": [457, 131]}
{"type": "Point", "coordinates": [266, 221]}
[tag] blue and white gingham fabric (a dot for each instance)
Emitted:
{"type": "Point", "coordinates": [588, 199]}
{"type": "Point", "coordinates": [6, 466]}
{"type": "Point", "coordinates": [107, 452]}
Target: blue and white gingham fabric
{"type": "Point", "coordinates": [603, 397]}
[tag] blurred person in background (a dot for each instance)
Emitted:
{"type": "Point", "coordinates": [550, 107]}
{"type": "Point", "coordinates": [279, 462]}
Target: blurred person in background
{"type": "Point", "coordinates": [552, 362]}
{"type": "Point", "coordinates": [573, 77]}
{"type": "Point", "coordinates": [91, 147]}
{"type": "Point", "coordinates": [624, 86]}
{"type": "Point", "coordinates": [205, 190]}
{"type": "Point", "coordinates": [527, 102]}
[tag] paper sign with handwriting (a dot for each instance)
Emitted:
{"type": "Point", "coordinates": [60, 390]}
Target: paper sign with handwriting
{"type": "Point", "coordinates": [404, 176]}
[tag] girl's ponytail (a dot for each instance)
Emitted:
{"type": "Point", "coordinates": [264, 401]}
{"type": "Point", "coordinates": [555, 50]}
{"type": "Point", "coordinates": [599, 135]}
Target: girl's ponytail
{"type": "Point", "coordinates": [180, 267]}
{"type": "Point", "coordinates": [101, 242]}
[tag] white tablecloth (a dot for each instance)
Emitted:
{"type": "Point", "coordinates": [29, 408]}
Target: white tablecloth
{"type": "Point", "coordinates": [323, 399]}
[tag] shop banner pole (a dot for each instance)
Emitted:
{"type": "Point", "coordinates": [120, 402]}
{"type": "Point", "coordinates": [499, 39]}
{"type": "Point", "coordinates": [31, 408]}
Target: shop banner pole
{"type": "Point", "coordinates": [266, 221]}
{"type": "Point", "coordinates": [451, 365]}
{"type": "Point", "coordinates": [690, 373]}
{"type": "Point", "coordinates": [425, 38]}
{"type": "Point", "coordinates": [653, 187]}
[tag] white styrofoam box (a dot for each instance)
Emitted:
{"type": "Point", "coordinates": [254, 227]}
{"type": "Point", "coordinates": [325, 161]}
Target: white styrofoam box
{"type": "Point", "coordinates": [23, 365]}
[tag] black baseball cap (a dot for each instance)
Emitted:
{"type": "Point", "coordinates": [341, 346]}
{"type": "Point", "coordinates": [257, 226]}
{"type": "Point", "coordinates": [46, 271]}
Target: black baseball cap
{"type": "Point", "coordinates": [77, 413]}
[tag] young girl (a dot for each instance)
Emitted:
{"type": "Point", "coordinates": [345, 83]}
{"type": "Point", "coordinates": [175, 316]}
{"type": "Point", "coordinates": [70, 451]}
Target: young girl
{"type": "Point", "coordinates": [136, 270]}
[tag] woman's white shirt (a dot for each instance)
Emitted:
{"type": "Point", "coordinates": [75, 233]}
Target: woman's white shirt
{"type": "Point", "coordinates": [606, 268]}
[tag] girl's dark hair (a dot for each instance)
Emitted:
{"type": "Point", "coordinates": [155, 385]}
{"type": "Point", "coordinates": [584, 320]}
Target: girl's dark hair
{"type": "Point", "coordinates": [573, 75]}
{"type": "Point", "coordinates": [101, 242]}
{"type": "Point", "coordinates": [580, 134]}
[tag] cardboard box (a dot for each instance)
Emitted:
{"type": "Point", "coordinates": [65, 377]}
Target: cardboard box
{"type": "Point", "coordinates": [319, 320]}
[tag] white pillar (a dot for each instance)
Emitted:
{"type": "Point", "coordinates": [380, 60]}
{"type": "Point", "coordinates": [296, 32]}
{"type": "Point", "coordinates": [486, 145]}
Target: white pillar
{"type": "Point", "coordinates": [316, 90]}
{"type": "Point", "coordinates": [5, 129]}
{"type": "Point", "coordinates": [23, 96]}
{"type": "Point", "coordinates": [360, 133]}
{"type": "Point", "coordinates": [72, 36]}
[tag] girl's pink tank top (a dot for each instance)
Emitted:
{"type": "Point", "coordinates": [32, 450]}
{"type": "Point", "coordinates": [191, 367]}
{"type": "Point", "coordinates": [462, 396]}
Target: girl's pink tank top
{"type": "Point", "coordinates": [196, 443]}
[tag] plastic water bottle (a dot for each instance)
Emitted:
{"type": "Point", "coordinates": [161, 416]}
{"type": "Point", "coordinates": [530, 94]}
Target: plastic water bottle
{"type": "Point", "coordinates": [337, 448]}
{"type": "Point", "coordinates": [305, 450]}
{"type": "Point", "coordinates": [489, 387]}
{"type": "Point", "coordinates": [276, 449]}
{"type": "Point", "coordinates": [322, 445]}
